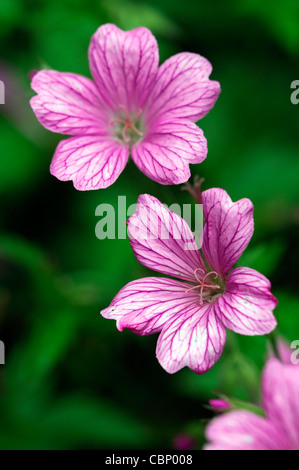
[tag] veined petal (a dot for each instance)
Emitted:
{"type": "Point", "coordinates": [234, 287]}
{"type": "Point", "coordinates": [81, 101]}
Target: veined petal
{"type": "Point", "coordinates": [194, 339]}
{"type": "Point", "coordinates": [124, 65]}
{"type": "Point", "coordinates": [243, 430]}
{"type": "Point", "coordinates": [168, 148]}
{"type": "Point", "coordinates": [163, 241]}
{"type": "Point", "coordinates": [68, 103]}
{"type": "Point", "coordinates": [227, 230]}
{"type": "Point", "coordinates": [92, 162]}
{"type": "Point", "coordinates": [145, 305]}
{"type": "Point", "coordinates": [247, 304]}
{"type": "Point", "coordinates": [280, 384]}
{"type": "Point", "coordinates": [183, 136]}
{"type": "Point", "coordinates": [160, 163]}
{"type": "Point", "coordinates": [183, 88]}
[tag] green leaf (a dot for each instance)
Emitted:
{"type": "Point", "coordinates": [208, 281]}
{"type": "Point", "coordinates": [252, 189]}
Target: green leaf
{"type": "Point", "coordinates": [264, 257]}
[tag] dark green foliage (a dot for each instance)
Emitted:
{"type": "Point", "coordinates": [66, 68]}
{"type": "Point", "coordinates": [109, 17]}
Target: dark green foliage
{"type": "Point", "coordinates": [71, 380]}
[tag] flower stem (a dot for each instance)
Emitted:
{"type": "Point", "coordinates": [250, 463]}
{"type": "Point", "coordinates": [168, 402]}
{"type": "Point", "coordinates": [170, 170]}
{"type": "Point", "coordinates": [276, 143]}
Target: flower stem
{"type": "Point", "coordinates": [195, 189]}
{"type": "Point", "coordinates": [273, 343]}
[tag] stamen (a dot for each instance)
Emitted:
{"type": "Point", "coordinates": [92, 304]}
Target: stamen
{"type": "Point", "coordinates": [125, 137]}
{"type": "Point", "coordinates": [128, 123]}
{"type": "Point", "coordinates": [192, 288]}
{"type": "Point", "coordinates": [136, 130]}
{"type": "Point", "coordinates": [209, 274]}
{"type": "Point", "coordinates": [195, 273]}
{"type": "Point", "coordinates": [202, 284]}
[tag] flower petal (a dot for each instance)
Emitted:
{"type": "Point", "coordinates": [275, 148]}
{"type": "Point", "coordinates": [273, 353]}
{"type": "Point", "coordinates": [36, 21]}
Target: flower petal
{"type": "Point", "coordinates": [243, 430]}
{"type": "Point", "coordinates": [183, 89]}
{"type": "Point", "coordinates": [162, 240]}
{"type": "Point", "coordinates": [285, 351]}
{"type": "Point", "coordinates": [194, 339]}
{"type": "Point", "coordinates": [227, 230]}
{"type": "Point", "coordinates": [160, 163]}
{"type": "Point", "coordinates": [281, 398]}
{"type": "Point", "coordinates": [247, 305]}
{"type": "Point", "coordinates": [68, 103]}
{"type": "Point", "coordinates": [92, 162]}
{"type": "Point", "coordinates": [165, 153]}
{"type": "Point", "coordinates": [124, 65]}
{"type": "Point", "coordinates": [145, 305]}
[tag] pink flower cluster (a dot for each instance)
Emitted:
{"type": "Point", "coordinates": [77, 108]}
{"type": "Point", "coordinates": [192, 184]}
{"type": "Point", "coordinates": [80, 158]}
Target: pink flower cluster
{"type": "Point", "coordinates": [133, 107]}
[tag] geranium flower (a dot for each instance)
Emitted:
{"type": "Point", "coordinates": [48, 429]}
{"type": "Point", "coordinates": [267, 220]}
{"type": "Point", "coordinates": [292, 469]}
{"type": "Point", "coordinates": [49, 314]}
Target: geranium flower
{"type": "Point", "coordinates": [278, 430]}
{"type": "Point", "coordinates": [193, 313]}
{"type": "Point", "coordinates": [133, 106]}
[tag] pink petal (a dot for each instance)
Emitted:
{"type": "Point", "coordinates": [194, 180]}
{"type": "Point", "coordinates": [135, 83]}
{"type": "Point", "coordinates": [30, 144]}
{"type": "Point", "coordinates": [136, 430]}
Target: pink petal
{"type": "Point", "coordinates": [195, 338]}
{"type": "Point", "coordinates": [285, 351]}
{"type": "Point", "coordinates": [243, 430]}
{"type": "Point", "coordinates": [227, 230]}
{"type": "Point", "coordinates": [166, 151]}
{"type": "Point", "coordinates": [124, 65]}
{"type": "Point", "coordinates": [281, 398]}
{"type": "Point", "coordinates": [247, 305]}
{"type": "Point", "coordinates": [68, 103]}
{"type": "Point", "coordinates": [219, 404]}
{"type": "Point", "coordinates": [183, 89]}
{"type": "Point", "coordinates": [288, 353]}
{"type": "Point", "coordinates": [92, 162]}
{"type": "Point", "coordinates": [145, 305]}
{"type": "Point", "coordinates": [163, 241]}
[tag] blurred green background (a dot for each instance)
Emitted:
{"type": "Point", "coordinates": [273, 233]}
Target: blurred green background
{"type": "Point", "coordinates": [71, 380]}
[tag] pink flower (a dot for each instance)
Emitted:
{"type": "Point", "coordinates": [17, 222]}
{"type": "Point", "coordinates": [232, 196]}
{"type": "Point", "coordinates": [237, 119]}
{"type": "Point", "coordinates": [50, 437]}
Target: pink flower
{"type": "Point", "coordinates": [193, 313]}
{"type": "Point", "coordinates": [278, 430]}
{"type": "Point", "coordinates": [133, 106]}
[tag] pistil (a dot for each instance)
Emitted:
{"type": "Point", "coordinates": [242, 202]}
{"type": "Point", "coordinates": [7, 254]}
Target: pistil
{"type": "Point", "coordinates": [202, 283]}
{"type": "Point", "coordinates": [128, 123]}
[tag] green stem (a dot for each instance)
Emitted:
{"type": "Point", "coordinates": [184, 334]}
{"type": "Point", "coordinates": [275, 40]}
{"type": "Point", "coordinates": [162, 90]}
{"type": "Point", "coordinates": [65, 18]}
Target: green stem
{"type": "Point", "coordinates": [272, 337]}
{"type": "Point", "coordinates": [195, 189]}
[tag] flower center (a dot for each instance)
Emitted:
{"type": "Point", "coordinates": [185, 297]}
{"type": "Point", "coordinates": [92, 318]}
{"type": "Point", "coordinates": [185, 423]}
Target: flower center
{"type": "Point", "coordinates": [128, 128]}
{"type": "Point", "coordinates": [206, 288]}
